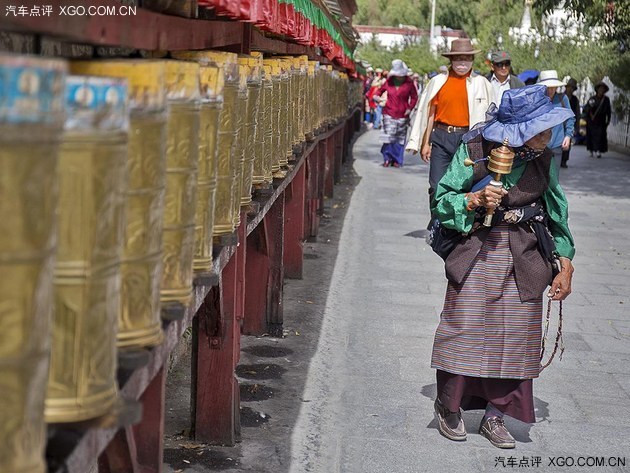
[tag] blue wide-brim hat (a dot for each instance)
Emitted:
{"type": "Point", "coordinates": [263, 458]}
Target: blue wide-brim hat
{"type": "Point", "coordinates": [523, 113]}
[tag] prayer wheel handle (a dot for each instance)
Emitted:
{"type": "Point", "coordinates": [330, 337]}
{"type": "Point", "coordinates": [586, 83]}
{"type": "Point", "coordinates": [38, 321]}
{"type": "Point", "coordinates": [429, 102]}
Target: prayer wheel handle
{"type": "Point", "coordinates": [500, 163]}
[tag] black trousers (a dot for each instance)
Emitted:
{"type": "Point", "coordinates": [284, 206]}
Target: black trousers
{"type": "Point", "coordinates": [443, 147]}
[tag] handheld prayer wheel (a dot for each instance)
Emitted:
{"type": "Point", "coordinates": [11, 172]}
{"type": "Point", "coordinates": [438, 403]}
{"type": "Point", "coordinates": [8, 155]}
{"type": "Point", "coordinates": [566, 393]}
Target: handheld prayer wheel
{"type": "Point", "coordinates": [182, 163]}
{"type": "Point", "coordinates": [31, 122]}
{"type": "Point", "coordinates": [92, 176]}
{"type": "Point", "coordinates": [253, 72]}
{"type": "Point", "coordinates": [500, 163]}
{"type": "Point", "coordinates": [139, 322]}
{"type": "Point", "coordinates": [211, 82]}
{"type": "Point", "coordinates": [230, 118]}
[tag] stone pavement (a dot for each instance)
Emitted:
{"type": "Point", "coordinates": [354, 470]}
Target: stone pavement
{"type": "Point", "coordinates": [355, 390]}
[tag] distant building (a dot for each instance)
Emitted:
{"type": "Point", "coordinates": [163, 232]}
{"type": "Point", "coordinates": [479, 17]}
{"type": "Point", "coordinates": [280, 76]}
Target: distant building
{"type": "Point", "coordinates": [557, 25]}
{"type": "Point", "coordinates": [402, 35]}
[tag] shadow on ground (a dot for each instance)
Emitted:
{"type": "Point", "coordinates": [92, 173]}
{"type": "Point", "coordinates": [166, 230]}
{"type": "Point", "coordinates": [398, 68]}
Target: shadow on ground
{"type": "Point", "coordinates": [272, 371]}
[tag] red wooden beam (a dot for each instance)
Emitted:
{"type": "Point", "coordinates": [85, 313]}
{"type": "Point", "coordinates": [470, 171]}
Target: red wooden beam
{"type": "Point", "coordinates": [143, 30]}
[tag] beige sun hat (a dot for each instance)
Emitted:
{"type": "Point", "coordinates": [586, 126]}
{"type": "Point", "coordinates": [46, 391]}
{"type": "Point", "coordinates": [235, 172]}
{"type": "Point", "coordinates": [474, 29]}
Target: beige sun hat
{"type": "Point", "coordinates": [550, 79]}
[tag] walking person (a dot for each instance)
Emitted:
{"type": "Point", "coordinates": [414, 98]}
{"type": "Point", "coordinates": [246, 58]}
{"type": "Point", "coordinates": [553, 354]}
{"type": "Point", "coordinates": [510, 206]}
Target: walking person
{"type": "Point", "coordinates": [378, 118]}
{"type": "Point", "coordinates": [401, 99]}
{"type": "Point", "coordinates": [451, 102]}
{"type": "Point", "coordinates": [487, 347]}
{"type": "Point", "coordinates": [562, 133]}
{"type": "Point", "coordinates": [501, 77]}
{"type": "Point", "coordinates": [598, 112]}
{"type": "Point", "coordinates": [574, 102]}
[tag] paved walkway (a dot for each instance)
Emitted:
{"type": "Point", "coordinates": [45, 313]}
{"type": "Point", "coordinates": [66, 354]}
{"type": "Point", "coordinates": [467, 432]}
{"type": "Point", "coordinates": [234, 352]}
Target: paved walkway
{"type": "Point", "coordinates": [369, 392]}
{"type": "Point", "coordinates": [349, 388]}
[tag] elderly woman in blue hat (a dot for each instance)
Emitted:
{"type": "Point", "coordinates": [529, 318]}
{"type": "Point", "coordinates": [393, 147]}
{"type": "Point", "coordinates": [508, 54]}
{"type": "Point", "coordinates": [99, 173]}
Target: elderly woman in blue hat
{"type": "Point", "coordinates": [487, 346]}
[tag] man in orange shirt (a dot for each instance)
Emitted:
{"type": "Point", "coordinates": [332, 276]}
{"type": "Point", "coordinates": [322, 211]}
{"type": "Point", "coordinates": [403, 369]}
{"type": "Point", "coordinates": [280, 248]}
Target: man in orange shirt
{"type": "Point", "coordinates": [451, 103]}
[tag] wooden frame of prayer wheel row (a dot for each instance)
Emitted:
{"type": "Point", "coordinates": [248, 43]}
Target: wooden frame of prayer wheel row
{"type": "Point", "coordinates": [154, 189]}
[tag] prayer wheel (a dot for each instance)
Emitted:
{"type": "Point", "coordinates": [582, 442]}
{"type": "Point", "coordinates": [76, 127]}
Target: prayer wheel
{"type": "Point", "coordinates": [302, 96]}
{"type": "Point", "coordinates": [311, 114]}
{"type": "Point", "coordinates": [211, 82]}
{"type": "Point", "coordinates": [229, 127]}
{"type": "Point", "coordinates": [262, 175]}
{"type": "Point", "coordinates": [92, 177]}
{"type": "Point", "coordinates": [272, 66]}
{"type": "Point", "coordinates": [31, 122]}
{"type": "Point", "coordinates": [285, 109]}
{"type": "Point", "coordinates": [253, 72]}
{"type": "Point", "coordinates": [139, 322]}
{"type": "Point", "coordinates": [240, 141]}
{"type": "Point", "coordinates": [290, 110]}
{"type": "Point", "coordinates": [182, 163]}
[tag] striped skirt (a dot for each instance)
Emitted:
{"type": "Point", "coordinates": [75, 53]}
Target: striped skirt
{"type": "Point", "coordinates": [394, 130]}
{"type": "Point", "coordinates": [485, 330]}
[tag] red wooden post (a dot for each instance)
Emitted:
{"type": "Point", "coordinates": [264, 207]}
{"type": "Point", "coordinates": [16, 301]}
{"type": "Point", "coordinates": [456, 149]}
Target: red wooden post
{"type": "Point", "coordinates": [324, 166]}
{"type": "Point", "coordinates": [274, 228]}
{"type": "Point", "coordinates": [149, 434]}
{"type": "Point", "coordinates": [217, 345]}
{"type": "Point", "coordinates": [312, 196]}
{"type": "Point", "coordinates": [295, 196]}
{"type": "Point", "coordinates": [241, 257]}
{"type": "Point", "coordinates": [339, 137]}
{"type": "Point", "coordinates": [329, 177]}
{"type": "Point", "coordinates": [120, 454]}
{"type": "Point", "coordinates": [257, 274]}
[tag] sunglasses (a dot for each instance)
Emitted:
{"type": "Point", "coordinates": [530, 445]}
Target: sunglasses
{"type": "Point", "coordinates": [503, 64]}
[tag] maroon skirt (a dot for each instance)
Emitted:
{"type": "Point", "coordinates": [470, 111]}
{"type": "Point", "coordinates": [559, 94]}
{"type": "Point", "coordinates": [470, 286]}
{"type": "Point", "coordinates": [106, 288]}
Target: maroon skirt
{"type": "Point", "coordinates": [513, 397]}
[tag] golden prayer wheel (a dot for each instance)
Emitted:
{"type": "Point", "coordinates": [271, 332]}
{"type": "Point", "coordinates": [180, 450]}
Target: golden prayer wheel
{"type": "Point", "coordinates": [285, 108]}
{"type": "Point", "coordinates": [311, 115]}
{"type": "Point", "coordinates": [31, 121]}
{"type": "Point", "coordinates": [229, 126]}
{"type": "Point", "coordinates": [272, 66]}
{"type": "Point", "coordinates": [211, 81]}
{"type": "Point", "coordinates": [240, 141]}
{"type": "Point", "coordinates": [92, 176]}
{"type": "Point", "coordinates": [139, 322]}
{"type": "Point", "coordinates": [302, 97]}
{"type": "Point", "coordinates": [253, 71]}
{"type": "Point", "coordinates": [290, 110]}
{"type": "Point", "coordinates": [262, 174]}
{"type": "Point", "coordinates": [182, 163]}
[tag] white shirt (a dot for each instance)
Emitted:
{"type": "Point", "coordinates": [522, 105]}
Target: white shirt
{"type": "Point", "coordinates": [499, 87]}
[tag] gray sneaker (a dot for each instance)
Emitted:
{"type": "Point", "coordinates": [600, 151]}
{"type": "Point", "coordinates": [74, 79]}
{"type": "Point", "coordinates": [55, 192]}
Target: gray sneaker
{"type": "Point", "coordinates": [443, 414]}
{"type": "Point", "coordinates": [494, 429]}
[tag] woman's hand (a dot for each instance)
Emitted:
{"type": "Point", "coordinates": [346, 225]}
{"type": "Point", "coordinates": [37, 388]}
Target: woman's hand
{"type": "Point", "coordinates": [561, 284]}
{"type": "Point", "coordinates": [490, 196]}
{"type": "Point", "coordinates": [425, 154]}
{"type": "Point", "coordinates": [566, 143]}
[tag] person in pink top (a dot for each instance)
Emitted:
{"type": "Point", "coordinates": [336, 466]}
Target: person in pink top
{"type": "Point", "coordinates": [402, 97]}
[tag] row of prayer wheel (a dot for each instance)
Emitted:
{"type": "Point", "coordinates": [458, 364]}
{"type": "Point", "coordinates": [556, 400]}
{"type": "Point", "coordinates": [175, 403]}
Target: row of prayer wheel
{"type": "Point", "coordinates": [115, 176]}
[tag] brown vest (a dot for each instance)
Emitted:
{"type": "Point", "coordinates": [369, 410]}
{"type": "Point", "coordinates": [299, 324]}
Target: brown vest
{"type": "Point", "coordinates": [532, 271]}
